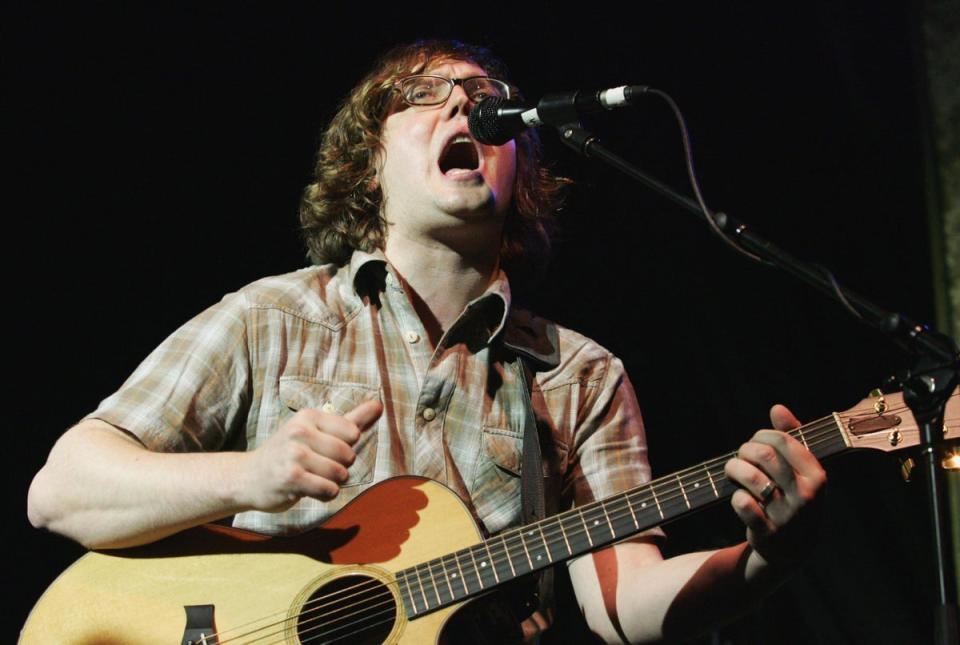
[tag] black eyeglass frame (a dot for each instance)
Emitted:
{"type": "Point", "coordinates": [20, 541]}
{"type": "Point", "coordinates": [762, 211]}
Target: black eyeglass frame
{"type": "Point", "coordinates": [508, 91]}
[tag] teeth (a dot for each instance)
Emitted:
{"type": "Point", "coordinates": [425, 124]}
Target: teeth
{"type": "Point", "coordinates": [461, 138]}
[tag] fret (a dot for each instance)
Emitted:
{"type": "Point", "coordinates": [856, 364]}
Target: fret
{"type": "Point", "coordinates": [657, 502]}
{"type": "Point", "coordinates": [685, 498]}
{"type": "Point", "coordinates": [493, 564]}
{"type": "Point", "coordinates": [506, 550]}
{"type": "Point", "coordinates": [409, 596]}
{"type": "Point", "coordinates": [423, 593]}
{"type": "Point", "coordinates": [446, 577]}
{"type": "Point", "coordinates": [633, 515]}
{"type": "Point", "coordinates": [607, 516]}
{"type": "Point", "coordinates": [620, 516]}
{"type": "Point", "coordinates": [546, 545]}
{"type": "Point", "coordinates": [712, 484]}
{"type": "Point", "coordinates": [597, 527]}
{"type": "Point", "coordinates": [586, 529]}
{"type": "Point", "coordinates": [476, 568]}
{"type": "Point", "coordinates": [802, 438]}
{"type": "Point", "coordinates": [459, 574]}
{"type": "Point", "coordinates": [563, 532]}
{"type": "Point", "coordinates": [575, 531]}
{"type": "Point", "coordinates": [700, 492]}
{"type": "Point", "coordinates": [724, 485]}
{"type": "Point", "coordinates": [526, 551]}
{"type": "Point", "coordinates": [433, 581]}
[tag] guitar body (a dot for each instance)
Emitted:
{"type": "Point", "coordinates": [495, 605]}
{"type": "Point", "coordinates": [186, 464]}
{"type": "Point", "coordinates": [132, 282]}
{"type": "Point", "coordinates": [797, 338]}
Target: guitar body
{"type": "Point", "coordinates": [260, 588]}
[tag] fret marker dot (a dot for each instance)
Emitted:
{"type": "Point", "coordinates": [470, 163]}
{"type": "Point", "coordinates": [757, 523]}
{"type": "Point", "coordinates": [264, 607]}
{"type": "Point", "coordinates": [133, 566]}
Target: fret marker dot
{"type": "Point", "coordinates": [595, 522]}
{"type": "Point", "coordinates": [483, 564]}
{"type": "Point", "coordinates": [453, 575]}
{"type": "Point", "coordinates": [644, 505]}
{"type": "Point", "coordinates": [697, 485]}
{"type": "Point", "coordinates": [539, 557]}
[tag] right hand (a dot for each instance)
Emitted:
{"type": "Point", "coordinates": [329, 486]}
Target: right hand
{"type": "Point", "coordinates": [307, 457]}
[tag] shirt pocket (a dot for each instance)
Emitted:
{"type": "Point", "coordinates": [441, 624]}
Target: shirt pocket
{"type": "Point", "coordinates": [336, 398]}
{"type": "Point", "coordinates": [496, 486]}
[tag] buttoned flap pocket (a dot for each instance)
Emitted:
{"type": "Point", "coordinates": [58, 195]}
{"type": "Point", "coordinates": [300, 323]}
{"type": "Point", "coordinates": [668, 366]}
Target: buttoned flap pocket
{"type": "Point", "coordinates": [336, 398]}
{"type": "Point", "coordinates": [504, 449]}
{"type": "Point", "coordinates": [496, 484]}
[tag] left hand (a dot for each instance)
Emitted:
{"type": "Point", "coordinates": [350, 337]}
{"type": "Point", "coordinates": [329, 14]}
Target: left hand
{"type": "Point", "coordinates": [781, 481]}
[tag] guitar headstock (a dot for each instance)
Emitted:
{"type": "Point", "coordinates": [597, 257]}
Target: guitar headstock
{"type": "Point", "coordinates": [884, 422]}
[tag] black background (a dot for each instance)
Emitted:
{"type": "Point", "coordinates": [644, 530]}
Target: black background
{"type": "Point", "coordinates": [156, 156]}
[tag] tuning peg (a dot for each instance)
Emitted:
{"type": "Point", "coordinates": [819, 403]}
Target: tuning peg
{"type": "Point", "coordinates": [906, 468]}
{"type": "Point", "coordinates": [880, 405]}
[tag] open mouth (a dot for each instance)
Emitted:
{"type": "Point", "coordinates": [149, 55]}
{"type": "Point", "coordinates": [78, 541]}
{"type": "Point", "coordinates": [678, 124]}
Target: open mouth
{"type": "Point", "coordinates": [459, 154]}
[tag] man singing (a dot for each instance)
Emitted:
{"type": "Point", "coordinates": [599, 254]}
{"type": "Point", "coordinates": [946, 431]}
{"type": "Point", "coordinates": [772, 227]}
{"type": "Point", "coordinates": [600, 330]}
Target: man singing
{"type": "Point", "coordinates": [400, 352]}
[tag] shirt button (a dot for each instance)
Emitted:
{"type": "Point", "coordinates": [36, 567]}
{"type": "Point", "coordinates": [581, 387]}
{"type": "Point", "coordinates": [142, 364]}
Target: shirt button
{"type": "Point", "coordinates": [412, 336]}
{"type": "Point", "coordinates": [429, 414]}
{"type": "Point", "coordinates": [329, 408]}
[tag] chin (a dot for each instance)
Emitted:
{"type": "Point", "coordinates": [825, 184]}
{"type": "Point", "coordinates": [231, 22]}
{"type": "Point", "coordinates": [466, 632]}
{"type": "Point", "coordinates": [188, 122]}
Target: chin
{"type": "Point", "coordinates": [473, 206]}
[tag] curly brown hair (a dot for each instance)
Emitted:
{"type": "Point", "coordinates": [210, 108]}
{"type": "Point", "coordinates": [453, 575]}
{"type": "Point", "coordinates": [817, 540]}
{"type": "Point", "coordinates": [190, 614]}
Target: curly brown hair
{"type": "Point", "coordinates": [341, 210]}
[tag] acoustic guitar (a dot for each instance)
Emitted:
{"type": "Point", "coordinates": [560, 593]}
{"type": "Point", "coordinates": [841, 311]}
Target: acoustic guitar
{"type": "Point", "coordinates": [392, 566]}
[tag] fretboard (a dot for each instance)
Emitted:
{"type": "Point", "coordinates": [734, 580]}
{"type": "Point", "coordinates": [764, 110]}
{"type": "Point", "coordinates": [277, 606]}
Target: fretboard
{"type": "Point", "coordinates": [457, 576]}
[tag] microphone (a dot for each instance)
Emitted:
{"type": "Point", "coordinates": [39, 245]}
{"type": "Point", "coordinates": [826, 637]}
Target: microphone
{"type": "Point", "coordinates": [494, 120]}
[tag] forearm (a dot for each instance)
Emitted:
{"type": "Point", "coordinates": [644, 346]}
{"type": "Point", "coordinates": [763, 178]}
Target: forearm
{"type": "Point", "coordinates": [638, 599]}
{"type": "Point", "coordinates": [105, 490]}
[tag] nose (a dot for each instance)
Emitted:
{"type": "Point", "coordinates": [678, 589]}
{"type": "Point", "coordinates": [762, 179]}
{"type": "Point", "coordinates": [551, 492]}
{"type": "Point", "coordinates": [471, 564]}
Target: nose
{"type": "Point", "coordinates": [458, 103]}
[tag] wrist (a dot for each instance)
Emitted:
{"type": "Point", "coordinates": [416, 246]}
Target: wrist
{"type": "Point", "coordinates": [233, 489]}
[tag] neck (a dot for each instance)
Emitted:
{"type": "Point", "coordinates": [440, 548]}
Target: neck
{"type": "Point", "coordinates": [439, 279]}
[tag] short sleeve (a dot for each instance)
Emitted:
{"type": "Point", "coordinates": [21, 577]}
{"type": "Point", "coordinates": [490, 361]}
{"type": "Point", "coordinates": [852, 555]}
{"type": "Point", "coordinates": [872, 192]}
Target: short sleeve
{"type": "Point", "coordinates": [609, 451]}
{"type": "Point", "coordinates": [192, 391]}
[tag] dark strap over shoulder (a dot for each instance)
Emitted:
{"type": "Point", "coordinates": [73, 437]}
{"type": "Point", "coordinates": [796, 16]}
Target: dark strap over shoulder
{"type": "Point", "coordinates": [532, 483]}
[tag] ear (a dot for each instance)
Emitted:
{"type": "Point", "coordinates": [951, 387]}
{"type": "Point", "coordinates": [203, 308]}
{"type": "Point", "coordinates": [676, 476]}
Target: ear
{"type": "Point", "coordinates": [374, 182]}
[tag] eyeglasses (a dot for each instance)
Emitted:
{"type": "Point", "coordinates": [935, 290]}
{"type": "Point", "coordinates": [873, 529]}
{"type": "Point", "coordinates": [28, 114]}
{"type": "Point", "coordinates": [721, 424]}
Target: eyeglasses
{"type": "Point", "coordinates": [424, 89]}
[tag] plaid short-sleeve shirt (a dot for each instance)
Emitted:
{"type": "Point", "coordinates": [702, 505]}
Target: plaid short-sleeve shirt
{"type": "Point", "coordinates": [332, 337]}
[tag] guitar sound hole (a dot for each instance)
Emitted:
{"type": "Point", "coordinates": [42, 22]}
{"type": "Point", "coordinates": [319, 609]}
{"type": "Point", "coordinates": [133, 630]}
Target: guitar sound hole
{"type": "Point", "coordinates": [350, 609]}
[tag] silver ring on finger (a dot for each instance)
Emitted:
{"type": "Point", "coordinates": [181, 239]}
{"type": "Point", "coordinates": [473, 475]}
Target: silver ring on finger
{"type": "Point", "coordinates": [766, 493]}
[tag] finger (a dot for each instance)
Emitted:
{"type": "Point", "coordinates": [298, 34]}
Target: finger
{"type": "Point", "coordinates": [751, 513]}
{"type": "Point", "coordinates": [329, 423]}
{"type": "Point", "coordinates": [325, 467]}
{"type": "Point", "coordinates": [331, 447]}
{"type": "Point", "coordinates": [768, 459]}
{"type": "Point", "coordinates": [308, 484]}
{"type": "Point", "coordinates": [782, 418]}
{"type": "Point", "coordinates": [753, 480]}
{"type": "Point", "coordinates": [801, 460]}
{"type": "Point", "coordinates": [365, 414]}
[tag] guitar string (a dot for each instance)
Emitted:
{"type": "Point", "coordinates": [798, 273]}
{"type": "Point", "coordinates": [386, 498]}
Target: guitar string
{"type": "Point", "coordinates": [504, 551]}
{"type": "Point", "coordinates": [339, 628]}
{"type": "Point", "coordinates": [515, 535]}
{"type": "Point", "coordinates": [810, 430]}
{"type": "Point", "coordinates": [388, 620]}
{"type": "Point", "coordinates": [382, 599]}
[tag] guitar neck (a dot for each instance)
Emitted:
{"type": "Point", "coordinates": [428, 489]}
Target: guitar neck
{"type": "Point", "coordinates": [513, 553]}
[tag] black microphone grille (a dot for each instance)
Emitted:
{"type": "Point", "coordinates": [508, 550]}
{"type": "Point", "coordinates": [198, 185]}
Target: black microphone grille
{"type": "Point", "coordinates": [485, 123]}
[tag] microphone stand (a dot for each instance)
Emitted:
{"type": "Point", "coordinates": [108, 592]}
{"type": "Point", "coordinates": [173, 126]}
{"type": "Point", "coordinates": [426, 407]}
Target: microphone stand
{"type": "Point", "coordinates": [927, 386]}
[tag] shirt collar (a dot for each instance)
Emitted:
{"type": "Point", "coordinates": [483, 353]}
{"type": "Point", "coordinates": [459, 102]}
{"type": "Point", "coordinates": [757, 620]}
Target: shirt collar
{"type": "Point", "coordinates": [521, 332]}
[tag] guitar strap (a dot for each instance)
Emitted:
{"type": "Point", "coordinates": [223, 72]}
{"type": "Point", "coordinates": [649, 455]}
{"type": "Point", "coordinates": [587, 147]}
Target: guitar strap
{"type": "Point", "coordinates": [532, 479]}
{"type": "Point", "coordinates": [496, 618]}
